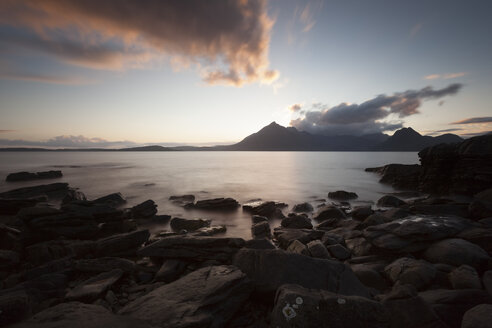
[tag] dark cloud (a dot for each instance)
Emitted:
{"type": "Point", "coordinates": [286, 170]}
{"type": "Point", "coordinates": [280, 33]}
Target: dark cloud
{"type": "Point", "coordinates": [229, 40]}
{"type": "Point", "coordinates": [437, 132]}
{"type": "Point", "coordinates": [474, 120]}
{"type": "Point", "coordinates": [474, 134]}
{"type": "Point", "coordinates": [367, 117]}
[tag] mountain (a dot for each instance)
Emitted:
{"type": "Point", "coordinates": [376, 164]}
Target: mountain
{"type": "Point", "coordinates": [275, 137]}
{"type": "Point", "coordinates": [407, 139]}
{"type": "Point", "coordinates": [147, 148]}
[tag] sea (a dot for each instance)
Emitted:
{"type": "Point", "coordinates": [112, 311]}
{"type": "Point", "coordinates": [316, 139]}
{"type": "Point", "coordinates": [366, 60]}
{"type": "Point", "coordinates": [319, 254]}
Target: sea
{"type": "Point", "coordinates": [289, 177]}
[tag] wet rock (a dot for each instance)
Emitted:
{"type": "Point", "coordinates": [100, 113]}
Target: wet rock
{"type": "Point", "coordinates": [28, 176]}
{"type": "Point", "coordinates": [170, 270]}
{"type": "Point", "coordinates": [297, 221]}
{"type": "Point", "coordinates": [303, 208]}
{"type": "Point", "coordinates": [93, 288]}
{"type": "Point", "coordinates": [104, 264]}
{"type": "Point", "coordinates": [300, 307]}
{"type": "Point", "coordinates": [451, 305]}
{"type": "Point", "coordinates": [210, 231]}
{"type": "Point", "coordinates": [193, 248]}
{"type": "Point", "coordinates": [457, 252]}
{"type": "Point", "coordinates": [52, 191]}
{"type": "Point", "coordinates": [414, 233]}
{"type": "Point", "coordinates": [298, 248]}
{"type": "Point", "coordinates": [285, 236]}
{"type": "Point", "coordinates": [144, 210]}
{"type": "Point", "coordinates": [318, 250]}
{"type": "Point", "coordinates": [360, 213]}
{"type": "Point", "coordinates": [342, 195]}
{"type": "Point", "coordinates": [270, 209]}
{"type": "Point", "coordinates": [400, 176]}
{"type": "Point", "coordinates": [208, 297]}
{"type": "Point", "coordinates": [417, 273]}
{"type": "Point", "coordinates": [269, 269]}
{"type": "Point", "coordinates": [390, 201]}
{"type": "Point", "coordinates": [261, 230]}
{"type": "Point", "coordinates": [338, 251]}
{"type": "Point", "coordinates": [122, 244]}
{"type": "Point", "coordinates": [465, 277]}
{"type": "Point", "coordinates": [56, 249]}
{"type": "Point", "coordinates": [215, 204]}
{"type": "Point", "coordinates": [329, 212]}
{"type": "Point", "coordinates": [178, 224]}
{"type": "Point", "coordinates": [479, 316]}
{"type": "Point", "coordinates": [80, 315]}
{"type": "Point", "coordinates": [8, 259]}
{"type": "Point", "coordinates": [182, 200]}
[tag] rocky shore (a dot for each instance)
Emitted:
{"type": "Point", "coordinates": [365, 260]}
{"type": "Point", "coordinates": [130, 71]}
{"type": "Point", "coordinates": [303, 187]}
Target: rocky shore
{"type": "Point", "coordinates": [417, 258]}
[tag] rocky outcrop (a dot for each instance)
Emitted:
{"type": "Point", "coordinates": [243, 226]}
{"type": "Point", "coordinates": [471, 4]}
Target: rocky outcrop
{"type": "Point", "coordinates": [28, 176]}
{"type": "Point", "coordinates": [399, 176]}
{"type": "Point", "coordinates": [270, 209]}
{"type": "Point", "coordinates": [54, 190]}
{"type": "Point", "coordinates": [215, 204]}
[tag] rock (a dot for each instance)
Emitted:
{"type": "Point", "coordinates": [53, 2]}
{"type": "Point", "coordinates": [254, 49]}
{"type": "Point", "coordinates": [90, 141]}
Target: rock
{"type": "Point", "coordinates": [330, 224]}
{"type": "Point", "coordinates": [342, 195]}
{"type": "Point", "coordinates": [8, 259]}
{"type": "Point", "coordinates": [481, 236]}
{"type": "Point", "coordinates": [122, 244]}
{"type": "Point", "coordinates": [465, 277]}
{"type": "Point", "coordinates": [360, 213]}
{"type": "Point", "coordinates": [298, 248]}
{"type": "Point", "coordinates": [215, 204]}
{"type": "Point", "coordinates": [408, 310]}
{"type": "Point", "coordinates": [12, 206]}
{"type": "Point", "coordinates": [318, 250]}
{"type": "Point", "coordinates": [270, 209]}
{"type": "Point", "coordinates": [261, 230]}
{"type": "Point", "coordinates": [104, 264]}
{"type": "Point", "coordinates": [417, 273]}
{"type": "Point", "coordinates": [182, 200]}
{"type": "Point", "coordinates": [487, 281]}
{"type": "Point", "coordinates": [303, 208]}
{"type": "Point", "coordinates": [338, 251]}
{"type": "Point", "coordinates": [440, 209]}
{"type": "Point", "coordinates": [15, 305]}
{"type": "Point", "coordinates": [144, 210]}
{"type": "Point", "coordinates": [374, 219]}
{"type": "Point", "coordinates": [210, 231]}
{"type": "Point", "coordinates": [117, 227]}
{"type": "Point", "coordinates": [399, 176]}
{"type": "Point", "coordinates": [68, 225]}
{"type": "Point", "coordinates": [10, 238]}
{"type": "Point", "coordinates": [53, 191]}
{"type": "Point", "coordinates": [457, 252]}
{"type": "Point", "coordinates": [56, 249]}
{"type": "Point", "coordinates": [390, 201]}
{"type": "Point", "coordinates": [370, 278]}
{"type": "Point", "coordinates": [73, 196]}
{"type": "Point", "coordinates": [296, 221]}
{"type": "Point", "coordinates": [479, 316]}
{"type": "Point", "coordinates": [329, 212]}
{"type": "Point", "coordinates": [396, 213]}
{"type": "Point", "coordinates": [80, 315]}
{"type": "Point", "coordinates": [285, 236]}
{"type": "Point", "coordinates": [114, 200]}
{"type": "Point", "coordinates": [300, 307]}
{"type": "Point", "coordinates": [170, 270]}
{"type": "Point", "coordinates": [28, 176]}
{"type": "Point", "coordinates": [479, 209]}
{"type": "Point", "coordinates": [414, 233]}
{"type": "Point", "coordinates": [102, 213]}
{"type": "Point", "coordinates": [359, 246]}
{"type": "Point", "coordinates": [178, 224]}
{"type": "Point", "coordinates": [451, 305]}
{"type": "Point", "coordinates": [193, 248]}
{"type": "Point", "coordinates": [208, 297]}
{"type": "Point", "coordinates": [258, 219]}
{"type": "Point", "coordinates": [259, 244]}
{"type": "Point", "coordinates": [93, 288]}
{"type": "Point", "coordinates": [269, 269]}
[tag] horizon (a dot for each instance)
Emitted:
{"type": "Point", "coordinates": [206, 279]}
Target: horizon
{"type": "Point", "coordinates": [83, 75]}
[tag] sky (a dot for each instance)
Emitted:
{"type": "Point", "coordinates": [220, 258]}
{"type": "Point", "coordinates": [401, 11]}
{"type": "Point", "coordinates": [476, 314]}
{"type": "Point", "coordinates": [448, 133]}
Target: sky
{"type": "Point", "coordinates": [119, 73]}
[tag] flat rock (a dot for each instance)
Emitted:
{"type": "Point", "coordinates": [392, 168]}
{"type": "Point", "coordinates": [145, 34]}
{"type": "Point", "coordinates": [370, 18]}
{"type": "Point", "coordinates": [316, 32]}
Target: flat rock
{"type": "Point", "coordinates": [215, 204]}
{"type": "Point", "coordinates": [457, 252]}
{"type": "Point", "coordinates": [122, 244]}
{"type": "Point", "coordinates": [80, 315]}
{"type": "Point", "coordinates": [399, 176]}
{"type": "Point", "coordinates": [297, 247]}
{"type": "Point", "coordinates": [114, 199]}
{"type": "Point", "coordinates": [296, 306]}
{"type": "Point", "coordinates": [208, 297]}
{"type": "Point", "coordinates": [68, 225]}
{"type": "Point", "coordinates": [268, 209]}
{"type": "Point", "coordinates": [193, 248]}
{"type": "Point", "coordinates": [53, 191]}
{"type": "Point", "coordinates": [210, 231]}
{"type": "Point", "coordinates": [479, 316]}
{"type": "Point", "coordinates": [342, 195]}
{"type": "Point", "coordinates": [269, 269]}
{"type": "Point", "coordinates": [29, 176]}
{"type": "Point", "coordinates": [93, 288]}
{"type": "Point", "coordinates": [56, 249]}
{"type": "Point", "coordinates": [182, 200]}
{"type": "Point", "coordinates": [178, 224]}
{"type": "Point", "coordinates": [104, 264]}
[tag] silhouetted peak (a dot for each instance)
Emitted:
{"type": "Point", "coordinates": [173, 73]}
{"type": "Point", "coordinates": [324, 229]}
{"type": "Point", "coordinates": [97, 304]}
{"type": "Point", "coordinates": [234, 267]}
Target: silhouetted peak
{"type": "Point", "coordinates": [406, 132]}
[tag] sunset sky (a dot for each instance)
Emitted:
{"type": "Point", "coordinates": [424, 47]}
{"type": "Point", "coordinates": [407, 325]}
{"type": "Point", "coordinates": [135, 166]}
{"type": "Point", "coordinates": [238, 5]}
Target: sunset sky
{"type": "Point", "coordinates": [118, 73]}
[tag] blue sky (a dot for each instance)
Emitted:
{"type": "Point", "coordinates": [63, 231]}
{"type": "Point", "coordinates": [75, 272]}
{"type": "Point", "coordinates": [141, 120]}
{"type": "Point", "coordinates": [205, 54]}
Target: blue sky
{"type": "Point", "coordinates": [215, 72]}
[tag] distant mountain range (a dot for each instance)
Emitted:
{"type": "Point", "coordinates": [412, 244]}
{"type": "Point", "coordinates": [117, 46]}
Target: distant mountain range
{"type": "Point", "coordinates": [275, 137]}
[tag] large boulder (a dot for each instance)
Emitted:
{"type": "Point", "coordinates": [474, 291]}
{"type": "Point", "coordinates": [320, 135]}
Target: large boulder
{"type": "Point", "coordinates": [297, 221]}
{"type": "Point", "coordinates": [479, 316]}
{"type": "Point", "coordinates": [296, 306]}
{"type": "Point", "coordinates": [208, 297]}
{"type": "Point", "coordinates": [303, 208]}
{"type": "Point", "coordinates": [178, 224]}
{"type": "Point", "coordinates": [261, 230]}
{"type": "Point", "coordinates": [28, 176]}
{"type": "Point", "coordinates": [144, 210]}
{"type": "Point", "coordinates": [417, 273]}
{"type": "Point", "coordinates": [80, 315]}
{"type": "Point", "coordinates": [286, 236]}
{"type": "Point", "coordinates": [329, 212]}
{"type": "Point", "coordinates": [342, 195]}
{"type": "Point", "coordinates": [456, 252]}
{"type": "Point", "coordinates": [193, 248]}
{"type": "Point", "coordinates": [269, 269]}
{"type": "Point", "coordinates": [269, 209]}
{"type": "Point", "coordinates": [399, 176]}
{"type": "Point", "coordinates": [465, 277]}
{"type": "Point", "coordinates": [215, 204]}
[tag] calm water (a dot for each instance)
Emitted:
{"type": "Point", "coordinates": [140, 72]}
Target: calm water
{"type": "Point", "coordinates": [291, 177]}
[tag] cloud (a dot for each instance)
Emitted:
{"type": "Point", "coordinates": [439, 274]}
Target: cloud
{"type": "Point", "coordinates": [437, 132]}
{"type": "Point", "coordinates": [295, 107]}
{"type": "Point", "coordinates": [367, 117]}
{"type": "Point", "coordinates": [474, 134]}
{"type": "Point", "coordinates": [227, 40]}
{"type": "Point", "coordinates": [444, 76]}
{"type": "Point", "coordinates": [474, 120]}
{"type": "Point", "coordinates": [54, 79]}
{"type": "Point", "coordinates": [303, 19]}
{"type": "Point", "coordinates": [68, 142]}
{"type": "Point", "coordinates": [306, 16]}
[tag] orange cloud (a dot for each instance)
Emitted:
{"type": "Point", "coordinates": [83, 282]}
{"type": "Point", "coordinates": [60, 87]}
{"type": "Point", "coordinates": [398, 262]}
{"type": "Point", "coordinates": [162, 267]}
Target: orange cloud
{"type": "Point", "coordinates": [444, 76]}
{"type": "Point", "coordinates": [228, 40]}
